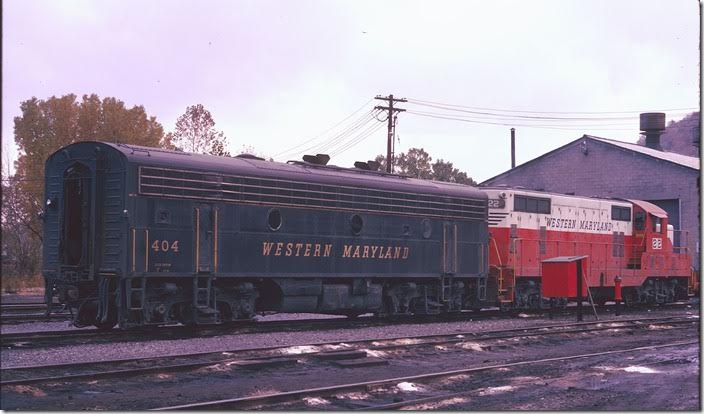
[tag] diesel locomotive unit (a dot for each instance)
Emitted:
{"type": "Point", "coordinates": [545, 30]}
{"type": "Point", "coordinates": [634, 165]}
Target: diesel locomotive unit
{"type": "Point", "coordinates": [138, 236]}
{"type": "Point", "coordinates": [626, 239]}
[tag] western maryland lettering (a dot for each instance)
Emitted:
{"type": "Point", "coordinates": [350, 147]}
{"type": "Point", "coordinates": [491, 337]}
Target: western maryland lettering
{"type": "Point", "coordinates": [356, 251]}
{"type": "Point", "coordinates": [296, 249]}
{"type": "Point", "coordinates": [588, 225]}
{"type": "Point", "coordinates": [350, 251]}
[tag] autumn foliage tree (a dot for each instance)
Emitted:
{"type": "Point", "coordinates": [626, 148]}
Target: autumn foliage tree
{"type": "Point", "coordinates": [418, 163]}
{"type": "Point", "coordinates": [46, 125]}
{"type": "Point", "coordinates": [195, 132]}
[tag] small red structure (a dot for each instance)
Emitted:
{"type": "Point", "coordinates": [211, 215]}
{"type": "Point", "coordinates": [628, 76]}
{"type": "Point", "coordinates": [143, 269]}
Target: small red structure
{"type": "Point", "coordinates": [560, 276]}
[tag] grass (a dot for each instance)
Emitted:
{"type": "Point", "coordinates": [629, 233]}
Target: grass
{"type": "Point", "coordinates": [21, 284]}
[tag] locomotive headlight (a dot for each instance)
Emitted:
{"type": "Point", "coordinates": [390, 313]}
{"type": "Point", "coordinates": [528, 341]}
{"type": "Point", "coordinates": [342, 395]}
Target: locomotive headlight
{"type": "Point", "coordinates": [51, 202]}
{"type": "Point", "coordinates": [502, 195]}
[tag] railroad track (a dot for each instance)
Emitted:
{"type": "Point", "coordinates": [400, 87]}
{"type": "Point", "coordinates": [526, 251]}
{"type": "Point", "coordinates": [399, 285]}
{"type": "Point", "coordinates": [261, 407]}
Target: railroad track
{"type": "Point", "coordinates": [36, 339]}
{"type": "Point", "coordinates": [274, 356]}
{"type": "Point", "coordinates": [14, 313]}
{"type": "Point", "coordinates": [385, 388]}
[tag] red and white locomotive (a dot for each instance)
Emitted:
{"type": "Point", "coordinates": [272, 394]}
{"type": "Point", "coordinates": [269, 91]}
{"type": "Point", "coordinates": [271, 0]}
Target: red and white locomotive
{"type": "Point", "coordinates": [630, 239]}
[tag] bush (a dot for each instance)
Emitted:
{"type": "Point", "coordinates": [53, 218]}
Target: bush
{"type": "Point", "coordinates": [16, 283]}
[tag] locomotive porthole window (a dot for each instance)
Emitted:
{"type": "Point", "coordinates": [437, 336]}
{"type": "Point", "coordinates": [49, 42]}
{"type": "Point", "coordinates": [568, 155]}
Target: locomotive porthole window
{"type": "Point", "coordinates": [426, 228]}
{"type": "Point", "coordinates": [274, 219]}
{"type": "Point", "coordinates": [356, 223]}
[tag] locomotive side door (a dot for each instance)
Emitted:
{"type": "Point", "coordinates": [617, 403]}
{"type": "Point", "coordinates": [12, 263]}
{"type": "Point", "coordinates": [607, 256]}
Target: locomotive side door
{"type": "Point", "coordinates": [204, 234]}
{"type": "Point", "coordinates": [449, 248]}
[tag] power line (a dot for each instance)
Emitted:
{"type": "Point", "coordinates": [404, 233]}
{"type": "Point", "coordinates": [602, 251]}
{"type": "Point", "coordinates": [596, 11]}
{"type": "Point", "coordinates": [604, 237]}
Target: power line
{"type": "Point", "coordinates": [513, 123]}
{"type": "Point", "coordinates": [420, 101]}
{"type": "Point", "coordinates": [327, 130]}
{"type": "Point", "coordinates": [357, 123]}
{"type": "Point", "coordinates": [332, 142]}
{"type": "Point", "coordinates": [511, 119]}
{"type": "Point", "coordinates": [358, 139]}
{"type": "Point", "coordinates": [528, 117]}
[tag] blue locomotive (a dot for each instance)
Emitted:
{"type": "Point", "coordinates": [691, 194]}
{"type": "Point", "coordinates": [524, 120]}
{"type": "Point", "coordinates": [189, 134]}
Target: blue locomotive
{"type": "Point", "coordinates": [138, 236]}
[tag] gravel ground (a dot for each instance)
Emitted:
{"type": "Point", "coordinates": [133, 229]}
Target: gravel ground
{"type": "Point", "coordinates": [649, 379]}
{"type": "Point", "coordinates": [10, 358]}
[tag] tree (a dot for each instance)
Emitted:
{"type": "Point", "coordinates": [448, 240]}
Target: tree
{"type": "Point", "coordinates": [444, 171]}
{"type": "Point", "coordinates": [195, 133]}
{"type": "Point", "coordinates": [47, 125]}
{"type": "Point", "coordinates": [21, 242]}
{"type": "Point", "coordinates": [417, 163]}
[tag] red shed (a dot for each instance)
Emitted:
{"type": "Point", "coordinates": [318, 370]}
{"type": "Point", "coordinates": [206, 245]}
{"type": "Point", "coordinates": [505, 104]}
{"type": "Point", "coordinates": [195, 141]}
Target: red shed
{"type": "Point", "coordinates": [560, 276]}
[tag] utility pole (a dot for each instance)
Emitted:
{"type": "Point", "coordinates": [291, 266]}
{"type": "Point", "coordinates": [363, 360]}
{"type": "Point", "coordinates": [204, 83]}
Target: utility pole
{"type": "Point", "coordinates": [390, 142]}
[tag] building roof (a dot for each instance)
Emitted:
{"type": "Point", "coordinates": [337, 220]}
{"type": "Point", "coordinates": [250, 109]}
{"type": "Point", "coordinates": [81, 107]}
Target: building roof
{"type": "Point", "coordinates": [684, 160]}
{"type": "Point", "coordinates": [673, 157]}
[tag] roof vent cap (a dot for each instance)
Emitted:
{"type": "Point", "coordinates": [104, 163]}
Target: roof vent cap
{"type": "Point", "coordinates": [318, 159]}
{"type": "Point", "coordinates": [652, 125]}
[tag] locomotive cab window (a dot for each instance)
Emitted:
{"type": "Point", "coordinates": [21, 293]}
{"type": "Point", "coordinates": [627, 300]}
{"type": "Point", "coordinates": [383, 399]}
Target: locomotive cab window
{"type": "Point", "coordinates": [639, 221]}
{"type": "Point", "coordinates": [620, 213]}
{"type": "Point", "coordinates": [656, 224]}
{"type": "Point", "coordinates": [531, 204]}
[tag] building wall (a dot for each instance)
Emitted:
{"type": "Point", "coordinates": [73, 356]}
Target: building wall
{"type": "Point", "coordinates": [592, 168]}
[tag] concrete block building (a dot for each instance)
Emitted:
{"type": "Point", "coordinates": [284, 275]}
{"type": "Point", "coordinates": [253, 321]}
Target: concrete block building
{"type": "Point", "coordinates": [600, 167]}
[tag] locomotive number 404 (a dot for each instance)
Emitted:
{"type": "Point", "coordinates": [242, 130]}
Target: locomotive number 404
{"type": "Point", "coordinates": [165, 246]}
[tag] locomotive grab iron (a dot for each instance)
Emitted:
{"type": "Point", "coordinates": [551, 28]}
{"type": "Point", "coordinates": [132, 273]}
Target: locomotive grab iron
{"type": "Point", "coordinates": [138, 236]}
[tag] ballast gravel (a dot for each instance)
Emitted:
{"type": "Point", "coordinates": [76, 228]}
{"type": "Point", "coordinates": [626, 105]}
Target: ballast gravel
{"type": "Point", "coordinates": [17, 357]}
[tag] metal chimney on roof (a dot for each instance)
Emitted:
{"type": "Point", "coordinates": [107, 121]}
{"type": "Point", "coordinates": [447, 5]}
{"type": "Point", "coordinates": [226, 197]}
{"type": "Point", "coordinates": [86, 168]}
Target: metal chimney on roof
{"type": "Point", "coordinates": [652, 125]}
{"type": "Point", "coordinates": [513, 147]}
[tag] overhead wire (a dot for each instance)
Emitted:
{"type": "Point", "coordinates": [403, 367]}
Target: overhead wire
{"type": "Point", "coordinates": [527, 117]}
{"type": "Point", "coordinates": [510, 119]}
{"type": "Point", "coordinates": [419, 101]}
{"type": "Point", "coordinates": [327, 130]}
{"type": "Point", "coordinates": [354, 125]}
{"type": "Point", "coordinates": [357, 140]}
{"type": "Point", "coordinates": [438, 116]}
{"type": "Point", "coordinates": [349, 131]}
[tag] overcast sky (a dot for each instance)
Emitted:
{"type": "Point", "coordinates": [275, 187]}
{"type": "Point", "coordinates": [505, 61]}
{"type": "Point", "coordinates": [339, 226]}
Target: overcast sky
{"type": "Point", "coordinates": [278, 76]}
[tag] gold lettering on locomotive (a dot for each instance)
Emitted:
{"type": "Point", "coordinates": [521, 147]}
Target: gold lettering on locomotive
{"type": "Point", "coordinates": [356, 252]}
{"type": "Point", "coordinates": [266, 248]}
{"type": "Point", "coordinates": [287, 249]}
{"type": "Point", "coordinates": [346, 250]}
{"type": "Point", "coordinates": [351, 251]}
